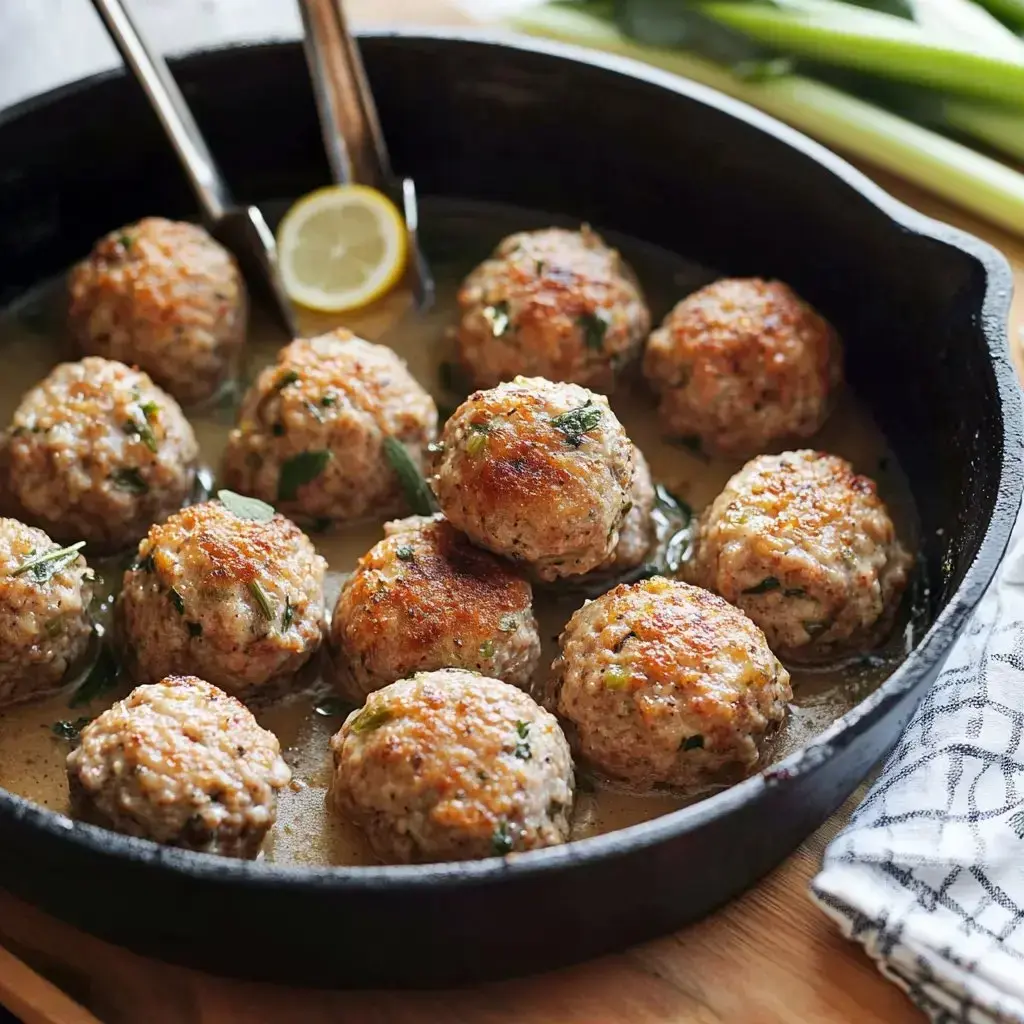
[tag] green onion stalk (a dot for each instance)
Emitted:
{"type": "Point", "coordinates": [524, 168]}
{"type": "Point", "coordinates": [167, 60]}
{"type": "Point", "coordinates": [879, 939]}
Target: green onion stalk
{"type": "Point", "coordinates": [763, 66]}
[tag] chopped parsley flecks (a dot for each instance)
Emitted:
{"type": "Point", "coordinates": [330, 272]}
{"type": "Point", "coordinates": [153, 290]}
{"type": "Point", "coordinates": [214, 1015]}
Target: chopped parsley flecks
{"type": "Point", "coordinates": [287, 615]}
{"type": "Point", "coordinates": [177, 600]}
{"type": "Point", "coordinates": [577, 422]}
{"type": "Point", "coordinates": [497, 317]}
{"type": "Point", "coordinates": [501, 841]}
{"type": "Point", "coordinates": [129, 478]}
{"type": "Point", "coordinates": [405, 553]}
{"type": "Point", "coordinates": [594, 326]}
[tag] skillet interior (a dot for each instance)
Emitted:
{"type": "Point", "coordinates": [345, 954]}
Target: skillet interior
{"type": "Point", "coordinates": [923, 308]}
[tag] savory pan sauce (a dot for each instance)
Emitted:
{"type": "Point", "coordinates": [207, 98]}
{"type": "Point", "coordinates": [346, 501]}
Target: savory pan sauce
{"type": "Point", "coordinates": [34, 737]}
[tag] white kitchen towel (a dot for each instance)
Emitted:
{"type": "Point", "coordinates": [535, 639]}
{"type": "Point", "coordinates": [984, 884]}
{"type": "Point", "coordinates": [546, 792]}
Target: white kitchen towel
{"type": "Point", "coordinates": [929, 873]}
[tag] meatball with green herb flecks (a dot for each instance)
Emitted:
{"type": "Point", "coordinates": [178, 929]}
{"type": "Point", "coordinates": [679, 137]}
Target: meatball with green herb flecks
{"type": "Point", "coordinates": [45, 592]}
{"type": "Point", "coordinates": [164, 296]}
{"type": "Point", "coordinates": [741, 365]}
{"type": "Point", "coordinates": [97, 452]}
{"type": "Point", "coordinates": [233, 593]}
{"type": "Point", "coordinates": [181, 763]}
{"type": "Point", "coordinates": [551, 303]}
{"type": "Point", "coordinates": [538, 472]}
{"type": "Point", "coordinates": [664, 685]}
{"type": "Point", "coordinates": [425, 598]}
{"type": "Point", "coordinates": [808, 550]}
{"type": "Point", "coordinates": [451, 765]}
{"type": "Point", "coordinates": [311, 431]}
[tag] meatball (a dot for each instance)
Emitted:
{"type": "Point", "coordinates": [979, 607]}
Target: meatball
{"type": "Point", "coordinates": [97, 452]}
{"type": "Point", "coordinates": [807, 549]}
{"type": "Point", "coordinates": [666, 685]}
{"type": "Point", "coordinates": [181, 763]}
{"type": "Point", "coordinates": [45, 592]}
{"type": "Point", "coordinates": [538, 472]}
{"type": "Point", "coordinates": [311, 430]}
{"type": "Point", "coordinates": [163, 296]}
{"type": "Point", "coordinates": [450, 765]}
{"type": "Point", "coordinates": [636, 535]}
{"type": "Point", "coordinates": [235, 600]}
{"type": "Point", "coordinates": [425, 598]}
{"type": "Point", "coordinates": [742, 364]}
{"type": "Point", "coordinates": [553, 303]}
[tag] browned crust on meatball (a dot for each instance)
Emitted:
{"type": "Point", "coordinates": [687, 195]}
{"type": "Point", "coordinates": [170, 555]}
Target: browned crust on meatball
{"type": "Point", "coordinates": [574, 311]}
{"type": "Point", "coordinates": [162, 295]}
{"type": "Point", "coordinates": [742, 364]}
{"type": "Point", "coordinates": [426, 598]}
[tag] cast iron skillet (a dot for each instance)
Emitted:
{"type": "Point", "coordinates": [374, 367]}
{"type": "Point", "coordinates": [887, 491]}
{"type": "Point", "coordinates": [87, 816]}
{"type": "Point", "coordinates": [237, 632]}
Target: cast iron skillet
{"type": "Point", "coordinates": [923, 310]}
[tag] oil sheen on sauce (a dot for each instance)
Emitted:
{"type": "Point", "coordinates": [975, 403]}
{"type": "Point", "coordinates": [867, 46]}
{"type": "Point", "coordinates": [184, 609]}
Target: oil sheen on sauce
{"type": "Point", "coordinates": [457, 236]}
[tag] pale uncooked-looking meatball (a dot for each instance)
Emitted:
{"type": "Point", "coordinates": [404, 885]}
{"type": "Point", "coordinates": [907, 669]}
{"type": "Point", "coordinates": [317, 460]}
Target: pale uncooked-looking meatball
{"type": "Point", "coordinates": [553, 303]}
{"type": "Point", "coordinates": [237, 601]}
{"type": "Point", "coordinates": [538, 472]}
{"type": "Point", "coordinates": [636, 535]}
{"type": "Point", "coordinates": [425, 598]}
{"type": "Point", "coordinates": [450, 765]}
{"type": "Point", "coordinates": [807, 549]}
{"type": "Point", "coordinates": [311, 430]}
{"type": "Point", "coordinates": [163, 296]}
{"type": "Point", "coordinates": [666, 685]}
{"type": "Point", "coordinates": [181, 763]}
{"type": "Point", "coordinates": [742, 364]}
{"type": "Point", "coordinates": [97, 452]}
{"type": "Point", "coordinates": [45, 591]}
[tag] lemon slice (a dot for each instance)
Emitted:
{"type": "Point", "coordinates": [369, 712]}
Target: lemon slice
{"type": "Point", "coordinates": [341, 247]}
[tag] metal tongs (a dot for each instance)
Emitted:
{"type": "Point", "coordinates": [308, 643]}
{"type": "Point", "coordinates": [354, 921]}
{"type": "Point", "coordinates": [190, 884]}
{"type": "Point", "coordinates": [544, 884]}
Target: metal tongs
{"type": "Point", "coordinates": [351, 129]}
{"type": "Point", "coordinates": [242, 229]}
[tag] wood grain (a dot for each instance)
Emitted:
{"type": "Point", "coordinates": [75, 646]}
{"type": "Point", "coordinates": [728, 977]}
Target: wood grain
{"type": "Point", "coordinates": [771, 957]}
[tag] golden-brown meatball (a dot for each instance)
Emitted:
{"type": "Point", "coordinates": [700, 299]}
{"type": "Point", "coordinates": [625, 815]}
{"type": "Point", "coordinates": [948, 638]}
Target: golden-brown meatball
{"type": "Point", "coordinates": [45, 591]}
{"type": "Point", "coordinates": [183, 764]}
{"type": "Point", "coordinates": [235, 600]}
{"type": "Point", "coordinates": [807, 549]}
{"type": "Point", "coordinates": [425, 598]}
{"type": "Point", "coordinates": [538, 472]}
{"type": "Point", "coordinates": [97, 452]}
{"type": "Point", "coordinates": [553, 303]}
{"type": "Point", "coordinates": [664, 684]}
{"type": "Point", "coordinates": [451, 765]}
{"type": "Point", "coordinates": [741, 365]}
{"type": "Point", "coordinates": [164, 296]}
{"type": "Point", "coordinates": [311, 430]}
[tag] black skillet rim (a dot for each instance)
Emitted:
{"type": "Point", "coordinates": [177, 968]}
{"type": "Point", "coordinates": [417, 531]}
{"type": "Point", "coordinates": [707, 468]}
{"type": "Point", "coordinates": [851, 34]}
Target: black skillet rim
{"type": "Point", "coordinates": [993, 316]}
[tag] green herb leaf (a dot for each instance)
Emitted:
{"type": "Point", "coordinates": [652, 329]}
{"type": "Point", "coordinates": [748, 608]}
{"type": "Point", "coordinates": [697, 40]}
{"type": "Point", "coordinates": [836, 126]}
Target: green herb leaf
{"type": "Point", "coordinates": [766, 585]}
{"type": "Point", "coordinates": [194, 629]}
{"type": "Point", "coordinates": [150, 410]}
{"type": "Point", "coordinates": [522, 729]}
{"type": "Point", "coordinates": [144, 564]}
{"type": "Point", "coordinates": [594, 326]}
{"type": "Point", "coordinates": [44, 567]}
{"type": "Point", "coordinates": [177, 600]}
{"type": "Point", "coordinates": [329, 400]}
{"type": "Point", "coordinates": [616, 677]}
{"type": "Point", "coordinates": [538, 267]}
{"type": "Point", "coordinates": [244, 507]}
{"type": "Point", "coordinates": [130, 479]}
{"type": "Point", "coordinates": [371, 718]}
{"type": "Point", "coordinates": [476, 443]}
{"type": "Point", "coordinates": [125, 241]}
{"type": "Point", "coordinates": [300, 470]}
{"type": "Point", "coordinates": [497, 318]}
{"type": "Point", "coordinates": [101, 678]}
{"type": "Point", "coordinates": [262, 600]}
{"type": "Point", "coordinates": [501, 841]}
{"type": "Point", "coordinates": [69, 731]}
{"type": "Point", "coordinates": [692, 743]}
{"type": "Point", "coordinates": [332, 707]}
{"type": "Point", "coordinates": [417, 492]}
{"type": "Point", "coordinates": [286, 378]}
{"type": "Point", "coordinates": [523, 751]}
{"type": "Point", "coordinates": [405, 553]}
{"type": "Point", "coordinates": [487, 650]}
{"type": "Point", "coordinates": [287, 615]}
{"type": "Point", "coordinates": [577, 422]}
{"type": "Point", "coordinates": [143, 432]}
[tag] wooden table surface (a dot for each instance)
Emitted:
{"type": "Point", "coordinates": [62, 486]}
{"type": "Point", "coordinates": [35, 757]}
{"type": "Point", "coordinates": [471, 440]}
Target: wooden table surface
{"type": "Point", "coordinates": [769, 958]}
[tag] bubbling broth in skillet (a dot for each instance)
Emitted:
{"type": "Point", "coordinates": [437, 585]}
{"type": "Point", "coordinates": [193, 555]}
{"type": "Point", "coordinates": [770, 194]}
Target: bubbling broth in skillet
{"type": "Point", "coordinates": [458, 235]}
